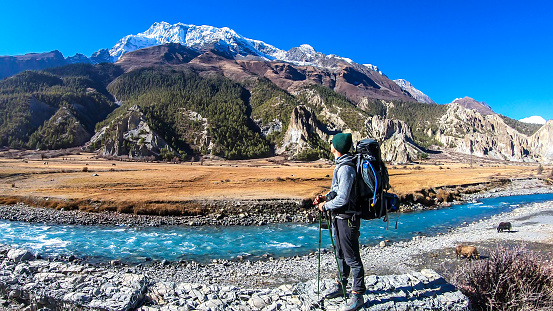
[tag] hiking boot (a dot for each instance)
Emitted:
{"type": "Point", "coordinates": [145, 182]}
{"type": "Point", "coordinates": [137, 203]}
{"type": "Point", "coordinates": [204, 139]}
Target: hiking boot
{"type": "Point", "coordinates": [337, 290]}
{"type": "Point", "coordinates": [355, 302]}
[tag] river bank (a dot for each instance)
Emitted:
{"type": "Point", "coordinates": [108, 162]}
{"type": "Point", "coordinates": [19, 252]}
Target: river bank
{"type": "Point", "coordinates": [252, 212]}
{"type": "Point", "coordinates": [399, 274]}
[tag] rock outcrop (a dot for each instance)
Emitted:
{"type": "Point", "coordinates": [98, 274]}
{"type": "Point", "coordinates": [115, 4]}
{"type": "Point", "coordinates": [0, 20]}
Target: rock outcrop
{"type": "Point", "coordinates": [396, 139]}
{"type": "Point", "coordinates": [129, 134]}
{"type": "Point", "coordinates": [468, 131]}
{"type": "Point", "coordinates": [541, 142]}
{"type": "Point", "coordinates": [303, 125]}
{"type": "Point", "coordinates": [62, 130]}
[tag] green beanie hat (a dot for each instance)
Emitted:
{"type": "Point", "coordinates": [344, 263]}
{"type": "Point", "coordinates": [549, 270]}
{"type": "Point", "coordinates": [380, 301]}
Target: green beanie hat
{"type": "Point", "coordinates": [342, 142]}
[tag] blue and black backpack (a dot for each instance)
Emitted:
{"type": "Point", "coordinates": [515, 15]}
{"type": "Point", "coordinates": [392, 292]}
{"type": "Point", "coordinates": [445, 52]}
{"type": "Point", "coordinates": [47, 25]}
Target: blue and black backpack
{"type": "Point", "coordinates": [372, 182]}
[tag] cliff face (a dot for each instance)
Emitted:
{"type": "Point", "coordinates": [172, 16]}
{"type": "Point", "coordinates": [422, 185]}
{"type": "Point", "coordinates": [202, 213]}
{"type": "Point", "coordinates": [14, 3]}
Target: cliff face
{"type": "Point", "coordinates": [129, 134]}
{"type": "Point", "coordinates": [461, 129]}
{"type": "Point", "coordinates": [468, 131]}
{"type": "Point", "coordinates": [303, 125]}
{"type": "Point", "coordinates": [396, 139]}
{"type": "Point", "coordinates": [541, 142]}
{"type": "Point", "coordinates": [395, 136]}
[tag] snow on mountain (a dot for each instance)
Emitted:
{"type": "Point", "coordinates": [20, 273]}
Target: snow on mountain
{"type": "Point", "coordinates": [192, 36]}
{"type": "Point", "coordinates": [534, 120]}
{"type": "Point", "coordinates": [224, 39]}
{"type": "Point", "coordinates": [373, 68]}
{"type": "Point", "coordinates": [418, 95]}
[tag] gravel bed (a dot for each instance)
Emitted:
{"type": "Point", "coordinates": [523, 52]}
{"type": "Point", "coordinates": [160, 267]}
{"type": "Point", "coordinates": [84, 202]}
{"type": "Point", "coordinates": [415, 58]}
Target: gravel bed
{"type": "Point", "coordinates": [238, 213]}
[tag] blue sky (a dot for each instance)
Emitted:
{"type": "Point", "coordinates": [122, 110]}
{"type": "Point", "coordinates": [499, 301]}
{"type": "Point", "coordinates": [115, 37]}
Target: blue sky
{"type": "Point", "coordinates": [499, 52]}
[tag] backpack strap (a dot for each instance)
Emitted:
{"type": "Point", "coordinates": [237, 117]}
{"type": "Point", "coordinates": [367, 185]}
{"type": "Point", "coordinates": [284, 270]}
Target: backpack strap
{"type": "Point", "coordinates": [350, 203]}
{"type": "Point", "coordinates": [375, 181]}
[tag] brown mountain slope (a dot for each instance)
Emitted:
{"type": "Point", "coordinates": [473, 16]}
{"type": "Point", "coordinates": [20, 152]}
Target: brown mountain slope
{"type": "Point", "coordinates": [355, 81]}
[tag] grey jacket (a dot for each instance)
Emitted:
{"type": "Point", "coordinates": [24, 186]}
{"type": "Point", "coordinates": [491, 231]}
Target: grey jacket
{"type": "Point", "coordinates": [342, 183]}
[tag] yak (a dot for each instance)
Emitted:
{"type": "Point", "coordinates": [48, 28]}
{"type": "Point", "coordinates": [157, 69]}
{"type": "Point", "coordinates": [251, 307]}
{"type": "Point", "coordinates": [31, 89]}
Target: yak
{"type": "Point", "coordinates": [504, 226]}
{"type": "Point", "coordinates": [467, 251]}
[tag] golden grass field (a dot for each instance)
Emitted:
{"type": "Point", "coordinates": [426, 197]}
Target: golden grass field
{"type": "Point", "coordinates": [138, 182]}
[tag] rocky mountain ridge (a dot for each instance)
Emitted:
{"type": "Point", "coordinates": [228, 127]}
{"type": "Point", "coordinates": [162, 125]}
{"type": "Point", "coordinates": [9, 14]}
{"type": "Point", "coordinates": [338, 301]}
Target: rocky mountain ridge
{"type": "Point", "coordinates": [229, 44]}
{"type": "Point", "coordinates": [469, 132]}
{"type": "Point", "coordinates": [471, 103]}
{"type": "Point", "coordinates": [417, 94]}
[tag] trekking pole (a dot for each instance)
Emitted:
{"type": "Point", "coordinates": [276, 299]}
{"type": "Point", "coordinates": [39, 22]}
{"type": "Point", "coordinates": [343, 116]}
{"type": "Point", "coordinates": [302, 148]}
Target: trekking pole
{"type": "Point", "coordinates": [319, 271]}
{"type": "Point", "coordinates": [335, 254]}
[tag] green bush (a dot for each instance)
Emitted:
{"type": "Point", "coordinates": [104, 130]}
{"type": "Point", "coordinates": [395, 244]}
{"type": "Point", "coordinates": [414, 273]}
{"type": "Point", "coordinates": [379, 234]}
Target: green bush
{"type": "Point", "coordinates": [308, 155]}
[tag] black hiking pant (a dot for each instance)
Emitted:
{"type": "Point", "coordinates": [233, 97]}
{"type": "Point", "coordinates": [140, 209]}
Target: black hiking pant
{"type": "Point", "coordinates": [346, 232]}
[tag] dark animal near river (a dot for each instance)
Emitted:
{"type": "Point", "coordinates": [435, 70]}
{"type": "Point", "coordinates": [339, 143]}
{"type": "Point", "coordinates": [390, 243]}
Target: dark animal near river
{"type": "Point", "coordinates": [504, 226]}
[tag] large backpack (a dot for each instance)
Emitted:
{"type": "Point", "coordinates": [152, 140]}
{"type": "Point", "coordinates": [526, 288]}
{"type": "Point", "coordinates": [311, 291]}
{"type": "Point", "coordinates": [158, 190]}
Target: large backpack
{"type": "Point", "coordinates": [372, 182]}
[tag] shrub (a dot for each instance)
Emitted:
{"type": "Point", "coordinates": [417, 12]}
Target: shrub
{"type": "Point", "coordinates": [422, 156]}
{"type": "Point", "coordinates": [308, 155]}
{"type": "Point", "coordinates": [510, 279]}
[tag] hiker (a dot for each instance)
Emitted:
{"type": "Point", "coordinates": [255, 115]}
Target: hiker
{"type": "Point", "coordinates": [345, 225]}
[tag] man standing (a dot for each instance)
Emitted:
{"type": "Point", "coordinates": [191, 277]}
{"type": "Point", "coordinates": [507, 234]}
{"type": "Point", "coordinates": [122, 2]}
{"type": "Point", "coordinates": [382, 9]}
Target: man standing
{"type": "Point", "coordinates": [340, 201]}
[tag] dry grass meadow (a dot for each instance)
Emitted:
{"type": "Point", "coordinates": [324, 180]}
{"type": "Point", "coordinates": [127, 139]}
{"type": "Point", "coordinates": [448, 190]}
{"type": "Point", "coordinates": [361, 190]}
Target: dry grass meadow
{"type": "Point", "coordinates": [83, 178]}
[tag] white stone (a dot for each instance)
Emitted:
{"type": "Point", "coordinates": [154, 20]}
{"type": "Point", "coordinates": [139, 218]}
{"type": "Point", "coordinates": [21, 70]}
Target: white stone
{"type": "Point", "coordinates": [18, 255]}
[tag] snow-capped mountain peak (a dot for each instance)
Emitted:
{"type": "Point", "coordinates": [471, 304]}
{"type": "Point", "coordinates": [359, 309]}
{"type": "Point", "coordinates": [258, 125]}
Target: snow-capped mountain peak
{"type": "Point", "coordinates": [534, 120]}
{"type": "Point", "coordinates": [192, 36]}
{"type": "Point", "coordinates": [226, 40]}
{"type": "Point", "coordinates": [418, 95]}
{"type": "Point", "coordinates": [306, 48]}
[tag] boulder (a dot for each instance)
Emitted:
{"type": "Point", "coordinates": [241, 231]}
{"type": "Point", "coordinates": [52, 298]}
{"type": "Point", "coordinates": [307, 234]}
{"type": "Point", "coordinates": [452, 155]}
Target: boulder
{"type": "Point", "coordinates": [19, 255]}
{"type": "Point", "coordinates": [77, 298]}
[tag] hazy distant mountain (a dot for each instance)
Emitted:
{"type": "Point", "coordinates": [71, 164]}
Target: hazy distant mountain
{"type": "Point", "coordinates": [78, 59]}
{"type": "Point", "coordinates": [418, 95]}
{"type": "Point", "coordinates": [534, 120]}
{"type": "Point", "coordinates": [10, 65]}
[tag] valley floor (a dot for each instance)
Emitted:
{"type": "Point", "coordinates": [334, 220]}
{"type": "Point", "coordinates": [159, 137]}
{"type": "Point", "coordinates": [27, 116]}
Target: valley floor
{"type": "Point", "coordinates": [87, 183]}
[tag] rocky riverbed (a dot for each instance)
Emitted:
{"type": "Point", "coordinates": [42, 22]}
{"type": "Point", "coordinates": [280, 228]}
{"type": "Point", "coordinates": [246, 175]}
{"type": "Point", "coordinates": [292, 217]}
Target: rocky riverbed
{"type": "Point", "coordinates": [235, 213]}
{"type": "Point", "coordinates": [27, 283]}
{"type": "Point", "coordinates": [402, 275]}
